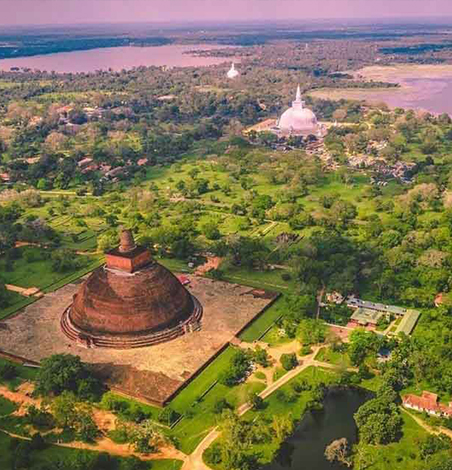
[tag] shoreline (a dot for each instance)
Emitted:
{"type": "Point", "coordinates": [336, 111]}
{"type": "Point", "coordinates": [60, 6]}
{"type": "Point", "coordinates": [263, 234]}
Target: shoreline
{"type": "Point", "coordinates": [421, 87]}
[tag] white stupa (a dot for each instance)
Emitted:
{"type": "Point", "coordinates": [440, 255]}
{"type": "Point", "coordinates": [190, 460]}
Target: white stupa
{"type": "Point", "coordinates": [298, 119]}
{"type": "Point", "coordinates": [233, 73]}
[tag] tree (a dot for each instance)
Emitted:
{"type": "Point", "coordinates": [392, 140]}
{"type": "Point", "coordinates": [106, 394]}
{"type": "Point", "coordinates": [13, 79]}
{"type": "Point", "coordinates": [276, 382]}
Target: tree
{"type": "Point", "coordinates": [289, 361]}
{"type": "Point", "coordinates": [312, 331]}
{"type": "Point", "coordinates": [339, 450]}
{"type": "Point", "coordinates": [7, 371]}
{"type": "Point", "coordinates": [255, 401]}
{"type": "Point", "coordinates": [210, 230]}
{"type": "Point", "coordinates": [282, 426]}
{"type": "Point", "coordinates": [63, 409]}
{"type": "Point", "coordinates": [63, 372]}
{"type": "Point", "coordinates": [379, 420]}
{"type": "Point", "coordinates": [260, 356]}
{"type": "Point", "coordinates": [63, 260]}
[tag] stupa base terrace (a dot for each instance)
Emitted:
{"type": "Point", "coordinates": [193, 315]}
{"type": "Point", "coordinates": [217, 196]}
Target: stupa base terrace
{"type": "Point", "coordinates": [153, 374]}
{"type": "Point", "coordinates": [97, 340]}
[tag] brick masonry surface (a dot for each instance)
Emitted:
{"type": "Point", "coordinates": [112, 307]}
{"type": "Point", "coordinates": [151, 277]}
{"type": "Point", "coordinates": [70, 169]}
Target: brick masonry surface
{"type": "Point", "coordinates": [153, 373]}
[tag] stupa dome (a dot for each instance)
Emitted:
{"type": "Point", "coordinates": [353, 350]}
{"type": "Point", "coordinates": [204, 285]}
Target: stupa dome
{"type": "Point", "coordinates": [298, 119]}
{"type": "Point", "coordinates": [232, 73]}
{"type": "Point", "coordinates": [131, 301]}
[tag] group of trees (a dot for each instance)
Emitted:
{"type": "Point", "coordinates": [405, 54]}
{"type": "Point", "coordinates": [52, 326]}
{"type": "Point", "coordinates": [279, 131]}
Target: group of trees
{"type": "Point", "coordinates": [239, 436]}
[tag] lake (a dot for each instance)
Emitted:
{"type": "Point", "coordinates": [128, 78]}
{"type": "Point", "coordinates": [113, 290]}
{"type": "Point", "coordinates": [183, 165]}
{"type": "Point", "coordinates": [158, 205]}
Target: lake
{"type": "Point", "coordinates": [422, 87]}
{"type": "Point", "coordinates": [117, 58]}
{"type": "Point", "coordinates": [305, 449]}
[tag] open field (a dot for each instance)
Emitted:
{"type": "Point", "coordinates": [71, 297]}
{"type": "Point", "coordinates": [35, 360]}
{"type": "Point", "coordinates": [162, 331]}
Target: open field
{"type": "Point", "coordinates": [261, 324]}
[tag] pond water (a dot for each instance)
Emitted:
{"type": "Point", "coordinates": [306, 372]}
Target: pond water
{"type": "Point", "coordinates": [305, 449]}
{"type": "Point", "coordinates": [116, 58]}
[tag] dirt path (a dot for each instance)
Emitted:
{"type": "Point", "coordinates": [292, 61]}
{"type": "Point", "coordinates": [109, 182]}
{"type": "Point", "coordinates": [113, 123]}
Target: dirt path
{"type": "Point", "coordinates": [105, 421]}
{"type": "Point", "coordinates": [25, 291]}
{"type": "Point", "coordinates": [424, 425]}
{"type": "Point", "coordinates": [20, 397]}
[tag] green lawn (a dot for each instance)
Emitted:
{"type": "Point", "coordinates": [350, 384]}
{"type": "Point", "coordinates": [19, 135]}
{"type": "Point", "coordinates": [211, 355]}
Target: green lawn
{"type": "Point", "coordinates": [39, 273]}
{"type": "Point", "coordinates": [6, 406]}
{"type": "Point", "coordinates": [403, 454]}
{"type": "Point", "coordinates": [202, 417]}
{"type": "Point", "coordinates": [23, 374]}
{"type": "Point", "coordinates": [262, 323]}
{"type": "Point", "coordinates": [274, 338]}
{"type": "Point", "coordinates": [197, 387]}
{"type": "Point", "coordinates": [333, 357]}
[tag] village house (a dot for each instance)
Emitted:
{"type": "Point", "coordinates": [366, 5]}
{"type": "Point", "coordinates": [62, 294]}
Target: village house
{"type": "Point", "coordinates": [428, 402]}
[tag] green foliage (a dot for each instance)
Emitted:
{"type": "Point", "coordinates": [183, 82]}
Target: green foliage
{"type": "Point", "coordinates": [312, 331]}
{"type": "Point", "coordinates": [65, 372]}
{"type": "Point", "coordinates": [379, 420]}
{"type": "Point", "coordinates": [167, 416]}
{"type": "Point", "coordinates": [289, 361]}
{"type": "Point", "coordinates": [239, 368]}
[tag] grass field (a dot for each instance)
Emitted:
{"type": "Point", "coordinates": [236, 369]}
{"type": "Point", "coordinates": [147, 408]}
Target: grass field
{"type": "Point", "coordinates": [333, 357]}
{"type": "Point", "coordinates": [261, 324]}
{"type": "Point", "coordinates": [6, 406]}
{"type": "Point", "coordinates": [192, 429]}
{"type": "Point", "coordinates": [199, 414]}
{"type": "Point", "coordinates": [23, 373]}
{"type": "Point", "coordinates": [31, 269]}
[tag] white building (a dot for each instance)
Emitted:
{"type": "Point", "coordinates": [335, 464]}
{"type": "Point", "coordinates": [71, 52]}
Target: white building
{"type": "Point", "coordinates": [233, 73]}
{"type": "Point", "coordinates": [298, 119]}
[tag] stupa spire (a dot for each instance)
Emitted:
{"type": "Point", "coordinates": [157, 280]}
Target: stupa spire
{"type": "Point", "coordinates": [127, 243]}
{"type": "Point", "coordinates": [298, 103]}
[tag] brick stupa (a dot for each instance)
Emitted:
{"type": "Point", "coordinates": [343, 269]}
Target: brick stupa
{"type": "Point", "coordinates": [131, 301]}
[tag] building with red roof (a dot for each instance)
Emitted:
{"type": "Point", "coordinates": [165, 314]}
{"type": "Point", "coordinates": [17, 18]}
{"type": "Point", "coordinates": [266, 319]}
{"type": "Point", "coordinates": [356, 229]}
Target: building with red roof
{"type": "Point", "coordinates": [428, 402]}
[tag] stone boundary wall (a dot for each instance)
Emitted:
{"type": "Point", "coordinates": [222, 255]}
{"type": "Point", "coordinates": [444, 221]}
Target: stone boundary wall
{"type": "Point", "coordinates": [277, 296]}
{"type": "Point", "coordinates": [18, 359]}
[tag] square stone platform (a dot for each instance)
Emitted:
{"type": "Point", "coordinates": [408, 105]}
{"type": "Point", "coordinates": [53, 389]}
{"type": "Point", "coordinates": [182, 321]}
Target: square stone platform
{"type": "Point", "coordinates": [155, 373]}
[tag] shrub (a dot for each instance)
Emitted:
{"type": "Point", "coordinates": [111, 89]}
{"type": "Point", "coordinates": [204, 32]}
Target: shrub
{"type": "Point", "coordinates": [167, 416]}
{"type": "Point", "coordinates": [255, 401]}
{"type": "Point", "coordinates": [8, 371]}
{"type": "Point", "coordinates": [220, 405]}
{"type": "Point", "coordinates": [37, 442]}
{"type": "Point", "coordinates": [39, 418]}
{"type": "Point", "coordinates": [289, 361]}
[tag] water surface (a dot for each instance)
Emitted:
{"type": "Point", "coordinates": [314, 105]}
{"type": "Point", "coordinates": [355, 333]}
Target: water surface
{"type": "Point", "coordinates": [305, 449]}
{"type": "Point", "coordinates": [422, 87]}
{"type": "Point", "coordinates": [116, 58]}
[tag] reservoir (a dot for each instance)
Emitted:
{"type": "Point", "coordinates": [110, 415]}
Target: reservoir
{"type": "Point", "coordinates": [305, 448]}
{"type": "Point", "coordinates": [421, 87]}
{"type": "Point", "coordinates": [117, 58]}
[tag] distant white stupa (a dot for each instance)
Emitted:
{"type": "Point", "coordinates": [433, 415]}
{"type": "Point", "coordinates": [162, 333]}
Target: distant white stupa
{"type": "Point", "coordinates": [233, 73]}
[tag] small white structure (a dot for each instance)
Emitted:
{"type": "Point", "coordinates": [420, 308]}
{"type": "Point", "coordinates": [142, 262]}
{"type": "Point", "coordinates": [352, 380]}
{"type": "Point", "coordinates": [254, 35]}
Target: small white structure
{"type": "Point", "coordinates": [233, 73]}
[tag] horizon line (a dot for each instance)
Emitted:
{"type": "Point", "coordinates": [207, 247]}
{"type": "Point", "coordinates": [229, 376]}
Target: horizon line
{"type": "Point", "coordinates": [441, 20]}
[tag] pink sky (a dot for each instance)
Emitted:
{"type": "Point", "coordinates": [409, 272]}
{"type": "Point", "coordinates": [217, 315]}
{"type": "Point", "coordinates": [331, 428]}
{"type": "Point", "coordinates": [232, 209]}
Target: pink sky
{"type": "Point", "coordinates": [14, 12]}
